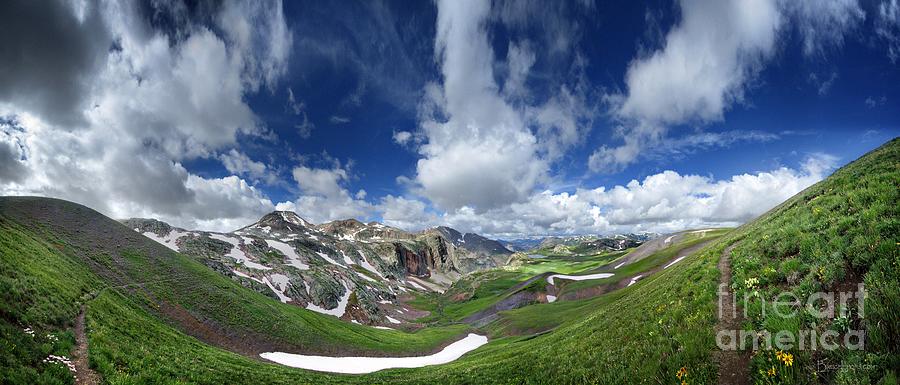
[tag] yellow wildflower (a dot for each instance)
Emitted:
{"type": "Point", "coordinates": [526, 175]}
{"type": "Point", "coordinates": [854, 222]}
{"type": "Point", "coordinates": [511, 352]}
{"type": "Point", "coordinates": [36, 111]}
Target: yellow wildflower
{"type": "Point", "coordinates": [788, 359]}
{"type": "Point", "coordinates": [681, 373]}
{"type": "Point", "coordinates": [779, 354]}
{"type": "Point", "coordinates": [772, 371]}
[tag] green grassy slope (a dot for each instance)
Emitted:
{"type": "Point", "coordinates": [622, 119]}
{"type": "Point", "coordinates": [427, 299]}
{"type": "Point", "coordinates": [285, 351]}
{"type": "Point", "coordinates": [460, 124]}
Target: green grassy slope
{"type": "Point", "coordinates": [842, 230]}
{"type": "Point", "coordinates": [57, 256]}
{"type": "Point", "coordinates": [835, 235]}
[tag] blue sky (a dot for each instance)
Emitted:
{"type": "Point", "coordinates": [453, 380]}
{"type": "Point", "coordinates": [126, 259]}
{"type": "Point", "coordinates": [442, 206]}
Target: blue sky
{"type": "Point", "coordinates": [505, 118]}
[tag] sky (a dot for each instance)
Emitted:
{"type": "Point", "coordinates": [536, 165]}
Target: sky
{"type": "Point", "coordinates": [506, 118]}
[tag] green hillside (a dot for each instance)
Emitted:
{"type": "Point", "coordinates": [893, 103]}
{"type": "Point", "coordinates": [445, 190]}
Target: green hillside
{"type": "Point", "coordinates": [158, 317]}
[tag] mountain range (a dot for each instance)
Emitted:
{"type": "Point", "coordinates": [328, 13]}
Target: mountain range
{"type": "Point", "coordinates": [318, 267]}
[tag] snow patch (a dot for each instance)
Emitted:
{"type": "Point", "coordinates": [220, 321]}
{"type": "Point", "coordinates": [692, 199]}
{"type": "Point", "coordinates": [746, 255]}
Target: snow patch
{"type": "Point", "coordinates": [359, 365]}
{"type": "Point", "coordinates": [366, 265]}
{"type": "Point", "coordinates": [237, 254]}
{"type": "Point", "coordinates": [289, 252]}
{"type": "Point", "coordinates": [551, 298]}
{"type": "Point", "coordinates": [579, 277]}
{"type": "Point", "coordinates": [635, 279]}
{"type": "Point", "coordinates": [240, 274]}
{"type": "Point", "coordinates": [392, 320]}
{"type": "Point", "coordinates": [674, 262]}
{"type": "Point", "coordinates": [279, 293]}
{"type": "Point", "coordinates": [347, 259]}
{"type": "Point", "coordinates": [327, 258]}
{"type": "Point", "coordinates": [416, 285]}
{"type": "Point", "coordinates": [169, 240]}
{"type": "Point", "coordinates": [365, 277]}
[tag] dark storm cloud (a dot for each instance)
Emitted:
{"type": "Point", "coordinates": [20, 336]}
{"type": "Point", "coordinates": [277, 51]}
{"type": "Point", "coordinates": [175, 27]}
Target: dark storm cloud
{"type": "Point", "coordinates": [49, 56]}
{"type": "Point", "coordinates": [12, 168]}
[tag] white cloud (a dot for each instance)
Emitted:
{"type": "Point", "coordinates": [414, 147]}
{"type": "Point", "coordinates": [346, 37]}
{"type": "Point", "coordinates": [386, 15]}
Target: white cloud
{"type": "Point", "coordinates": [402, 137]}
{"type": "Point", "coordinates": [325, 182]}
{"type": "Point", "coordinates": [708, 61]}
{"type": "Point", "coordinates": [337, 119]}
{"type": "Point", "coordinates": [703, 67]}
{"type": "Point", "coordinates": [822, 23]}
{"type": "Point", "coordinates": [887, 27]}
{"type": "Point", "coordinates": [159, 97]}
{"type": "Point", "coordinates": [482, 146]}
{"type": "Point", "coordinates": [257, 30]}
{"type": "Point", "coordinates": [239, 163]}
{"type": "Point", "coordinates": [667, 201]}
{"type": "Point", "coordinates": [483, 155]}
{"type": "Point", "coordinates": [823, 85]}
{"type": "Point", "coordinates": [404, 213]}
{"type": "Point", "coordinates": [324, 197]}
{"type": "Point", "coordinates": [298, 108]}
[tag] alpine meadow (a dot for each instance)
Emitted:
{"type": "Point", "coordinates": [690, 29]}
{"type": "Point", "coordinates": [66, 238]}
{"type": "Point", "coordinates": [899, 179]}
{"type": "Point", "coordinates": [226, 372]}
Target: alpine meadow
{"type": "Point", "coordinates": [449, 192]}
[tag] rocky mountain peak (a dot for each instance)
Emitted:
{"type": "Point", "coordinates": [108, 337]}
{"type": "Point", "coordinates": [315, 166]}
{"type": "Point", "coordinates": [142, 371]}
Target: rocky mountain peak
{"type": "Point", "coordinates": [352, 229]}
{"type": "Point", "coordinates": [148, 225]}
{"type": "Point", "coordinates": [471, 241]}
{"type": "Point", "coordinates": [282, 222]}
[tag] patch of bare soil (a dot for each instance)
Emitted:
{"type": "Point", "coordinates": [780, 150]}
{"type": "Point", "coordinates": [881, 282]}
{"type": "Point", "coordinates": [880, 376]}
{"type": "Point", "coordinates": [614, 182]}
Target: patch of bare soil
{"type": "Point", "coordinates": [734, 365]}
{"type": "Point", "coordinates": [84, 375]}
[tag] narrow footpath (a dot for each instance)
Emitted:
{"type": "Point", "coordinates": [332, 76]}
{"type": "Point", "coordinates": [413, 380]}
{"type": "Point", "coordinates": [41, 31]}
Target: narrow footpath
{"type": "Point", "coordinates": [84, 375]}
{"type": "Point", "coordinates": [734, 365]}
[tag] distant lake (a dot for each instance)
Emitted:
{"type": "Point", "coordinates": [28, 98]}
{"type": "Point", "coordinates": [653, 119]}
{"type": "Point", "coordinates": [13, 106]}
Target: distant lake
{"type": "Point", "coordinates": [536, 256]}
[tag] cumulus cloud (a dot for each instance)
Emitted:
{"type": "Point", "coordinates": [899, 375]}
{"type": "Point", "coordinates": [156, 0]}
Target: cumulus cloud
{"type": "Point", "coordinates": [53, 79]}
{"type": "Point", "coordinates": [667, 201]}
{"type": "Point", "coordinates": [323, 196]}
{"type": "Point", "coordinates": [160, 94]}
{"type": "Point", "coordinates": [238, 163]}
{"type": "Point", "coordinates": [484, 145]}
{"type": "Point", "coordinates": [405, 213]}
{"type": "Point", "coordinates": [483, 155]}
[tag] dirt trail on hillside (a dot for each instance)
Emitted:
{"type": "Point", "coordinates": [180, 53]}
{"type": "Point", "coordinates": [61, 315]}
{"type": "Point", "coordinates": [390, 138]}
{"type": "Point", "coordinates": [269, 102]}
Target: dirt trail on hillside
{"type": "Point", "coordinates": [84, 375]}
{"type": "Point", "coordinates": [734, 365]}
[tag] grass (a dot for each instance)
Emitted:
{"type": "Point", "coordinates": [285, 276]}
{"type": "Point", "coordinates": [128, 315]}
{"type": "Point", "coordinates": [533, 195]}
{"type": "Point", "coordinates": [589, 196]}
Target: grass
{"type": "Point", "coordinates": [567, 264]}
{"type": "Point", "coordinates": [476, 291]}
{"type": "Point", "coordinates": [844, 229]}
{"type": "Point", "coordinates": [47, 274]}
{"type": "Point", "coordinates": [836, 234]}
{"type": "Point", "coordinates": [657, 259]}
{"type": "Point", "coordinates": [480, 290]}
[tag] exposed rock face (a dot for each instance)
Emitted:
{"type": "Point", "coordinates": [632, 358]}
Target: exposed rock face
{"type": "Point", "coordinates": [411, 262]}
{"type": "Point", "coordinates": [472, 242]}
{"type": "Point", "coordinates": [354, 230]}
{"type": "Point", "coordinates": [437, 254]}
{"type": "Point", "coordinates": [291, 260]}
{"type": "Point", "coordinates": [148, 225]}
